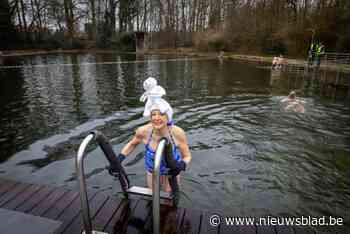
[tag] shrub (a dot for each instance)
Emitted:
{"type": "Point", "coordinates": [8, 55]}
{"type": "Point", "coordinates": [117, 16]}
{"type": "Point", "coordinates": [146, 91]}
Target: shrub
{"type": "Point", "coordinates": [217, 44]}
{"type": "Point", "coordinates": [123, 42]}
{"type": "Point", "coordinates": [211, 40]}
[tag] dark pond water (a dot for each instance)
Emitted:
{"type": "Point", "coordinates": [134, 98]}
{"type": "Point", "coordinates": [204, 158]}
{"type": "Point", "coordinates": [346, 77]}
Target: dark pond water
{"type": "Point", "coordinates": [249, 156]}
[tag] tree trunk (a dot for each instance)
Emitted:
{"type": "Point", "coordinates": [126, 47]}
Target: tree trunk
{"type": "Point", "coordinates": [145, 13]}
{"type": "Point", "coordinates": [38, 13]}
{"type": "Point", "coordinates": [162, 15]}
{"type": "Point", "coordinates": [123, 15]}
{"type": "Point", "coordinates": [93, 19]}
{"type": "Point", "coordinates": [25, 26]}
{"type": "Point", "coordinates": [19, 18]}
{"type": "Point", "coordinates": [112, 19]}
{"type": "Point", "coordinates": [68, 10]}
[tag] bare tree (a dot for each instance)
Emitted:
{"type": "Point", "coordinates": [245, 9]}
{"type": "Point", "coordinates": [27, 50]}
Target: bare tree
{"type": "Point", "coordinates": [92, 5]}
{"type": "Point", "coordinates": [69, 17]}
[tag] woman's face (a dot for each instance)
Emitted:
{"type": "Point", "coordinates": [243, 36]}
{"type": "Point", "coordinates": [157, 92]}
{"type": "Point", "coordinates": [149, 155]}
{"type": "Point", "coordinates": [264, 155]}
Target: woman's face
{"type": "Point", "coordinates": [158, 119]}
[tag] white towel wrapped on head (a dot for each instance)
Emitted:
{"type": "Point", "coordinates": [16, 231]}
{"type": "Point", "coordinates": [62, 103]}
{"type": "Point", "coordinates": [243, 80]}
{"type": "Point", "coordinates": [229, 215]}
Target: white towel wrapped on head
{"type": "Point", "coordinates": [153, 94]}
{"type": "Point", "coordinates": [149, 85]}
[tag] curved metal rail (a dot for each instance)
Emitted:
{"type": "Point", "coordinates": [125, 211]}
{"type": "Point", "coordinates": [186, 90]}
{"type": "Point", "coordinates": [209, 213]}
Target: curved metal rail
{"type": "Point", "coordinates": [82, 185]}
{"type": "Point", "coordinates": [156, 185]}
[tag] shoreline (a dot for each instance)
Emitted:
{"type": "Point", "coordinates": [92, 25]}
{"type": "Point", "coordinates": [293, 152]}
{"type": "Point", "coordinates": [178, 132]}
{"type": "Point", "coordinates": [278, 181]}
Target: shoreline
{"type": "Point", "coordinates": [260, 59]}
{"type": "Point", "coordinates": [178, 51]}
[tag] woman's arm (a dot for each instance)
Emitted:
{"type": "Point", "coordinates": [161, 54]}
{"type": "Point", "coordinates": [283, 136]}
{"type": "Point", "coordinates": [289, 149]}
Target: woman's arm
{"type": "Point", "coordinates": [183, 145]}
{"type": "Point", "coordinates": [131, 145]}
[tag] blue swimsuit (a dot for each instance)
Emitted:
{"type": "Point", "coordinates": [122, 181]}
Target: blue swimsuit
{"type": "Point", "coordinates": [150, 153]}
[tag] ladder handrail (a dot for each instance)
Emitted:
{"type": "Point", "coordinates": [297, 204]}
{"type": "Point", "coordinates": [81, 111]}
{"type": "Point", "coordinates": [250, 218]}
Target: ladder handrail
{"type": "Point", "coordinates": [156, 185]}
{"type": "Point", "coordinates": [79, 163]}
{"type": "Point", "coordinates": [104, 144]}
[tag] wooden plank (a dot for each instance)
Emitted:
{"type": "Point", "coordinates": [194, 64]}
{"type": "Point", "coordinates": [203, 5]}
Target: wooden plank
{"type": "Point", "coordinates": [117, 216]}
{"type": "Point", "coordinates": [76, 226]}
{"type": "Point", "coordinates": [170, 219]}
{"type": "Point", "coordinates": [48, 202]}
{"type": "Point", "coordinates": [106, 213]}
{"type": "Point", "coordinates": [344, 229]}
{"type": "Point", "coordinates": [35, 200]}
{"type": "Point", "coordinates": [136, 224]}
{"type": "Point", "coordinates": [71, 211]}
{"type": "Point", "coordinates": [265, 229]}
{"type": "Point", "coordinates": [21, 198]}
{"type": "Point", "coordinates": [303, 230]}
{"type": "Point", "coordinates": [284, 230]}
{"type": "Point", "coordinates": [19, 188]}
{"type": "Point", "coordinates": [2, 181]}
{"type": "Point", "coordinates": [191, 222]}
{"type": "Point", "coordinates": [237, 229]}
{"type": "Point", "coordinates": [117, 224]}
{"type": "Point", "coordinates": [242, 229]}
{"type": "Point", "coordinates": [58, 208]}
{"type": "Point", "coordinates": [6, 186]}
{"type": "Point", "coordinates": [206, 227]}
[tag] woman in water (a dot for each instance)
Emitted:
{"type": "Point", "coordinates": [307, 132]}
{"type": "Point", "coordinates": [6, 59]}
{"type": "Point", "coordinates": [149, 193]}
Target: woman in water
{"type": "Point", "coordinates": [292, 104]}
{"type": "Point", "coordinates": [150, 134]}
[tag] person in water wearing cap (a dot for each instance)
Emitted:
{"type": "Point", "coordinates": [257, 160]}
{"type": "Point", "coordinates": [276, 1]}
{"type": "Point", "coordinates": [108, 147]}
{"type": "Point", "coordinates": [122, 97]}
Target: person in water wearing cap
{"type": "Point", "coordinates": [160, 125]}
{"type": "Point", "coordinates": [275, 63]}
{"type": "Point", "coordinates": [292, 104]}
{"type": "Point", "coordinates": [278, 62]}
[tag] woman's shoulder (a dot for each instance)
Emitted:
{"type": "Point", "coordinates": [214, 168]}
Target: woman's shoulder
{"type": "Point", "coordinates": [143, 130]}
{"type": "Point", "coordinates": [177, 131]}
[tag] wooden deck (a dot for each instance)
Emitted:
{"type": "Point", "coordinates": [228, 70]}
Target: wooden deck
{"type": "Point", "coordinates": [113, 215]}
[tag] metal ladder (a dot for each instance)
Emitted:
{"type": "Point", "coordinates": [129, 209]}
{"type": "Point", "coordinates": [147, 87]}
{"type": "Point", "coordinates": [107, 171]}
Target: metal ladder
{"type": "Point", "coordinates": [127, 189]}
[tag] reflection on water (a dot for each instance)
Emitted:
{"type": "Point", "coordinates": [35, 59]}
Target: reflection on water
{"type": "Point", "coordinates": [249, 157]}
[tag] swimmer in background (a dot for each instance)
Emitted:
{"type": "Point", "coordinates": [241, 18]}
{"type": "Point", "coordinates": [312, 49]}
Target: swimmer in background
{"type": "Point", "coordinates": [291, 103]}
{"type": "Point", "coordinates": [278, 62]}
{"type": "Point", "coordinates": [275, 63]}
